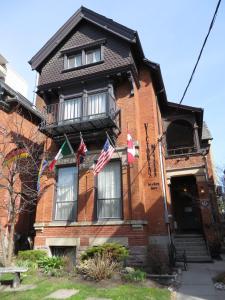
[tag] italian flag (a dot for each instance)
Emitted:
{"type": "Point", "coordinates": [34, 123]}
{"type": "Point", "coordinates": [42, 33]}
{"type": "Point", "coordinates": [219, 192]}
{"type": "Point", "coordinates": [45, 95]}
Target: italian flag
{"type": "Point", "coordinates": [63, 151]}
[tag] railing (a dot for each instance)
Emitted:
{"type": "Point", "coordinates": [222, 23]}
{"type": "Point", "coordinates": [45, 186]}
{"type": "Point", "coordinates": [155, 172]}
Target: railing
{"type": "Point", "coordinates": [94, 106]}
{"type": "Point", "coordinates": [181, 150]}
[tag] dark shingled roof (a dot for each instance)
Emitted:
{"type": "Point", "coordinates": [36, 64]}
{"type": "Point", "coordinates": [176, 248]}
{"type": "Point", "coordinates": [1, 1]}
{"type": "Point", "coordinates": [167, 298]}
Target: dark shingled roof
{"type": "Point", "coordinates": [91, 16]}
{"type": "Point", "coordinates": [206, 134]}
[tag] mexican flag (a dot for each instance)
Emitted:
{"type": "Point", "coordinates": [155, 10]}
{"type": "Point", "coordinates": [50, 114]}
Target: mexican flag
{"type": "Point", "coordinates": [63, 151]}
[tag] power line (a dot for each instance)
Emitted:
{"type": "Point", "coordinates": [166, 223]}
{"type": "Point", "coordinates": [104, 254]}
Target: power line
{"type": "Point", "coordinates": [200, 54]}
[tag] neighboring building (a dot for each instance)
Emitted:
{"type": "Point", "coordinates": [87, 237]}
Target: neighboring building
{"type": "Point", "coordinates": [17, 118]}
{"type": "Point", "coordinates": [93, 78]}
{"type": "Point", "coordinates": [12, 78]}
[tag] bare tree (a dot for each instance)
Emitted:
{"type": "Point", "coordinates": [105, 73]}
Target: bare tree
{"type": "Point", "coordinates": [21, 145]}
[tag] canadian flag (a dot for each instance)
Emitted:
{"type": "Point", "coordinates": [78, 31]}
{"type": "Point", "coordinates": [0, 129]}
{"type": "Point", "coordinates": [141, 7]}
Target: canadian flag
{"type": "Point", "coordinates": [130, 149]}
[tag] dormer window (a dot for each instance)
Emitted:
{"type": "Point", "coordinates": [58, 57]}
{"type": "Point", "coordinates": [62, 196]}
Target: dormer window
{"type": "Point", "coordinates": [79, 57]}
{"type": "Point", "coordinates": [74, 61]}
{"type": "Point", "coordinates": [92, 56]}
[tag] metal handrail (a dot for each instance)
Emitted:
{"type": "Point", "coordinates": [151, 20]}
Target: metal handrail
{"type": "Point", "coordinates": [80, 109]}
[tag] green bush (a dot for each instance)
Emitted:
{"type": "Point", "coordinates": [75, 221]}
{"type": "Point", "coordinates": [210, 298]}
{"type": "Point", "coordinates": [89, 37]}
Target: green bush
{"type": "Point", "coordinates": [135, 276]}
{"type": "Point", "coordinates": [50, 265]}
{"type": "Point", "coordinates": [116, 251]}
{"type": "Point", "coordinates": [31, 255]}
{"type": "Point", "coordinates": [31, 265]}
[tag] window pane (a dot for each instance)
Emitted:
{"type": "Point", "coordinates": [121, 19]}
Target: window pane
{"type": "Point", "coordinates": [96, 104]}
{"type": "Point", "coordinates": [93, 56]}
{"type": "Point", "coordinates": [72, 109]}
{"type": "Point", "coordinates": [74, 61]}
{"type": "Point", "coordinates": [66, 195]}
{"type": "Point", "coordinates": [109, 191]}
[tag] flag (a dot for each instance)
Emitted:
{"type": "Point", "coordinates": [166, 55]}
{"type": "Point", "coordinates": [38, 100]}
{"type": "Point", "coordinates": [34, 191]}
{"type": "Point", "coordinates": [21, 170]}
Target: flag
{"type": "Point", "coordinates": [14, 155]}
{"type": "Point", "coordinates": [130, 149]}
{"type": "Point", "coordinates": [63, 151]}
{"type": "Point", "coordinates": [81, 152]}
{"type": "Point", "coordinates": [104, 157]}
{"type": "Point", "coordinates": [43, 165]}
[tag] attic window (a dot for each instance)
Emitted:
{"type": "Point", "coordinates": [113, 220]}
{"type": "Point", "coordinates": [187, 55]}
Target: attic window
{"type": "Point", "coordinates": [92, 56]}
{"type": "Point", "coordinates": [84, 57]}
{"type": "Point", "coordinates": [74, 61]}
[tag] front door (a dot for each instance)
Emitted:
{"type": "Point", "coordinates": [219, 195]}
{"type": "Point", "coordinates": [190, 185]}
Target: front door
{"type": "Point", "coordinates": [186, 212]}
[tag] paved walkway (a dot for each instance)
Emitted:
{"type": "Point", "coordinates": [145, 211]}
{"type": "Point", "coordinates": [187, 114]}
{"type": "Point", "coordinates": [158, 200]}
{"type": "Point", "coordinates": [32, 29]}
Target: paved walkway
{"type": "Point", "coordinates": [197, 284]}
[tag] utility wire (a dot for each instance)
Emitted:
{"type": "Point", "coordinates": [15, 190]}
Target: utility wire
{"type": "Point", "coordinates": [200, 54]}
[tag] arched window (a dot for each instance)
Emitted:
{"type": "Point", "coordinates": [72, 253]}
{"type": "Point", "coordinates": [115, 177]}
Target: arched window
{"type": "Point", "coordinates": [180, 137]}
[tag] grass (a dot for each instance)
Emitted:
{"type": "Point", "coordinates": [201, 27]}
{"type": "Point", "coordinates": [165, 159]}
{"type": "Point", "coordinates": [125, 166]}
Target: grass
{"type": "Point", "coordinates": [47, 285]}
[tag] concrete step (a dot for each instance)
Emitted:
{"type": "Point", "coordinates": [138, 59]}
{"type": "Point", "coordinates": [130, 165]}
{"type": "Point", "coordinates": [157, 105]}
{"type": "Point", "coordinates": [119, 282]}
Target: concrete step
{"type": "Point", "coordinates": [189, 239]}
{"type": "Point", "coordinates": [200, 242]}
{"type": "Point", "coordinates": [203, 258]}
{"type": "Point", "coordinates": [194, 246]}
{"type": "Point", "coordinates": [184, 235]}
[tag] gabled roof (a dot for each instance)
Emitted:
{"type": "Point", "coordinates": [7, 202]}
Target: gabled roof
{"type": "Point", "coordinates": [84, 13]}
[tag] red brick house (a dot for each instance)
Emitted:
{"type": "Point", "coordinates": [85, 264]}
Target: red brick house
{"type": "Point", "coordinates": [93, 78]}
{"type": "Point", "coordinates": [18, 120]}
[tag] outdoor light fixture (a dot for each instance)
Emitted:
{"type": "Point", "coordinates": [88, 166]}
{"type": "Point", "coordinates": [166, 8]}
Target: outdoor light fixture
{"type": "Point", "coordinates": [185, 189]}
{"type": "Point", "coordinates": [202, 191]}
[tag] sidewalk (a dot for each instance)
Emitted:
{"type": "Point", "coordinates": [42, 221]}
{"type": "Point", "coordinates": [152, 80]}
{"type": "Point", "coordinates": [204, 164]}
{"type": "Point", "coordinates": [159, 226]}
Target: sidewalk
{"type": "Point", "coordinates": [197, 284]}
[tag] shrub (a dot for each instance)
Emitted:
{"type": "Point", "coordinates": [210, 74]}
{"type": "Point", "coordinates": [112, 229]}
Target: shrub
{"type": "Point", "coordinates": [101, 266]}
{"type": "Point", "coordinates": [31, 265]}
{"type": "Point", "coordinates": [158, 261]}
{"type": "Point", "coordinates": [31, 255]}
{"type": "Point", "coordinates": [135, 276]}
{"type": "Point", "coordinates": [50, 265]}
{"type": "Point", "coordinates": [116, 251]}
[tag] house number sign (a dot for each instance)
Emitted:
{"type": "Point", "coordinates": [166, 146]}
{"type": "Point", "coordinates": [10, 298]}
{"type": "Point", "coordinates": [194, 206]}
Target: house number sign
{"type": "Point", "coordinates": [205, 203]}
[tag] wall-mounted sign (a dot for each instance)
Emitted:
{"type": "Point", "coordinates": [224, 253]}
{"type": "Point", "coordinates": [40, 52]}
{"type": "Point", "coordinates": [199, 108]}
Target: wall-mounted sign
{"type": "Point", "coordinates": [154, 185]}
{"type": "Point", "coordinates": [205, 203]}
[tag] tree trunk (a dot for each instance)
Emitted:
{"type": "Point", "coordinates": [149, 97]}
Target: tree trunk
{"type": "Point", "coordinates": [11, 243]}
{"type": "Point", "coordinates": [3, 246]}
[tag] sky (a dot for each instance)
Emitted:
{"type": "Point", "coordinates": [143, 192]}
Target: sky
{"type": "Point", "coordinates": [171, 33]}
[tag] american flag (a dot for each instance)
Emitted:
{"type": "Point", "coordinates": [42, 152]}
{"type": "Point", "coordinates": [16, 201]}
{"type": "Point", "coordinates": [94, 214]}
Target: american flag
{"type": "Point", "coordinates": [104, 157]}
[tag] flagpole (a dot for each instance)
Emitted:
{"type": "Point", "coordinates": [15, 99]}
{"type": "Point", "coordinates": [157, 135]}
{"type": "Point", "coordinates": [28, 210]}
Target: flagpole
{"type": "Point", "coordinates": [112, 144]}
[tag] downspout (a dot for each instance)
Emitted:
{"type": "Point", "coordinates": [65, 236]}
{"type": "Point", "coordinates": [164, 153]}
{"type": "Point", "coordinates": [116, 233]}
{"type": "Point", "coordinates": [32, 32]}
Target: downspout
{"type": "Point", "coordinates": [166, 217]}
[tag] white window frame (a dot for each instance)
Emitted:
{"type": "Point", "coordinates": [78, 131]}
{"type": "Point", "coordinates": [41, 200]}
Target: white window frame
{"type": "Point", "coordinates": [72, 202]}
{"type": "Point", "coordinates": [111, 202]}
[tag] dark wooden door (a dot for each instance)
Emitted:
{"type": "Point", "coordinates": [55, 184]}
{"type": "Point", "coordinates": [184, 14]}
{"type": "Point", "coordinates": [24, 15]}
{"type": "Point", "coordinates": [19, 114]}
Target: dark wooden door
{"type": "Point", "coordinates": [186, 210]}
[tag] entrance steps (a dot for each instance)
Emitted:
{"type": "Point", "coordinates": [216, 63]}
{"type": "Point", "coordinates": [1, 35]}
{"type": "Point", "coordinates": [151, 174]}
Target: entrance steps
{"type": "Point", "coordinates": [194, 246]}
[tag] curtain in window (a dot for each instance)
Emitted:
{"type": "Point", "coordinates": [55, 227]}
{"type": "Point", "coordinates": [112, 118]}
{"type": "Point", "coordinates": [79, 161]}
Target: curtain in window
{"type": "Point", "coordinates": [74, 61]}
{"type": "Point", "coordinates": [93, 56]}
{"type": "Point", "coordinates": [109, 191]}
{"type": "Point", "coordinates": [96, 104]}
{"type": "Point", "coordinates": [72, 109]}
{"type": "Point", "coordinates": [66, 196]}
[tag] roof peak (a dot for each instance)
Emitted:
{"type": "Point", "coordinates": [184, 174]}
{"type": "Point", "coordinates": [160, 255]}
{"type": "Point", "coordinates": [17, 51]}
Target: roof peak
{"type": "Point", "coordinates": [89, 15]}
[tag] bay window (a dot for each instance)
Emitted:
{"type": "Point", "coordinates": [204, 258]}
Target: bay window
{"type": "Point", "coordinates": [66, 194]}
{"type": "Point", "coordinates": [109, 204]}
{"type": "Point", "coordinates": [96, 104]}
